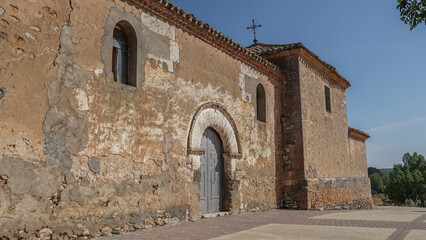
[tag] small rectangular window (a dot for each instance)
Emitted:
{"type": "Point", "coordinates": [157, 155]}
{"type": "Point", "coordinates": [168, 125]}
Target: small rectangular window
{"type": "Point", "coordinates": [327, 99]}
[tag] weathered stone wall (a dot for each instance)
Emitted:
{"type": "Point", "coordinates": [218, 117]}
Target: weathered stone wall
{"type": "Point", "coordinates": [29, 40]}
{"type": "Point", "coordinates": [320, 167]}
{"type": "Point", "coordinates": [334, 175]}
{"type": "Point", "coordinates": [358, 154]}
{"type": "Point", "coordinates": [340, 193]}
{"type": "Point", "coordinates": [325, 133]}
{"type": "Point", "coordinates": [290, 164]}
{"type": "Point", "coordinates": [83, 156]}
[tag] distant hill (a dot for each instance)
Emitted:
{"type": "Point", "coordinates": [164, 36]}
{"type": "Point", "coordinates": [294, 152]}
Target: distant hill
{"type": "Point", "coordinates": [386, 170]}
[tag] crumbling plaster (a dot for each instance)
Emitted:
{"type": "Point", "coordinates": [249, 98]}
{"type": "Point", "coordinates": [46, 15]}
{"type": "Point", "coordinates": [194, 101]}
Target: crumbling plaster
{"type": "Point", "coordinates": [84, 156]}
{"type": "Point", "coordinates": [109, 158]}
{"type": "Point", "coordinates": [22, 124]}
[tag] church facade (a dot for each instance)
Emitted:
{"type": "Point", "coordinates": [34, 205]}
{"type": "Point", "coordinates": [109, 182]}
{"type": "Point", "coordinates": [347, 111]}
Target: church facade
{"type": "Point", "coordinates": [125, 114]}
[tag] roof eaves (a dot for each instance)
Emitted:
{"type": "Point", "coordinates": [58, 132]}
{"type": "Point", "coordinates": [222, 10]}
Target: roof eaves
{"type": "Point", "coordinates": [269, 49]}
{"type": "Point", "coordinates": [358, 133]}
{"type": "Point", "coordinates": [189, 21]}
{"type": "Point", "coordinates": [330, 67]}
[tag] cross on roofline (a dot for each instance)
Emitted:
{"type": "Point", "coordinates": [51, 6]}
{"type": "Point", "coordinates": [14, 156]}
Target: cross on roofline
{"type": "Point", "coordinates": [253, 28]}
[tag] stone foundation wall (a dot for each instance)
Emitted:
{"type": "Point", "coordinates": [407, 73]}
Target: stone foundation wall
{"type": "Point", "coordinates": [340, 193]}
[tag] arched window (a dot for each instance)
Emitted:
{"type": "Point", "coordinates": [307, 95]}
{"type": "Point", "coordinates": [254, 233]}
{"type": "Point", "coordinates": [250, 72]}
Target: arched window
{"type": "Point", "coordinates": [124, 54]}
{"type": "Point", "coordinates": [260, 103]}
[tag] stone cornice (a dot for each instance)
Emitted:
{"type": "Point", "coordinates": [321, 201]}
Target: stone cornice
{"type": "Point", "coordinates": [178, 17]}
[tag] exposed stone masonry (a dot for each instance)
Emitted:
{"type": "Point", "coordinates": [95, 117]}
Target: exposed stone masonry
{"type": "Point", "coordinates": [83, 156]}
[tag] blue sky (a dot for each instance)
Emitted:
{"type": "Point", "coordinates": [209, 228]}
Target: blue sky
{"type": "Point", "coordinates": [367, 43]}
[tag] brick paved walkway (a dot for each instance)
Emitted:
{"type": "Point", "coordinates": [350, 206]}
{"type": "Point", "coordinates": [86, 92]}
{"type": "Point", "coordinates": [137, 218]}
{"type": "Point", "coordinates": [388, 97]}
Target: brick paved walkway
{"type": "Point", "coordinates": [222, 226]}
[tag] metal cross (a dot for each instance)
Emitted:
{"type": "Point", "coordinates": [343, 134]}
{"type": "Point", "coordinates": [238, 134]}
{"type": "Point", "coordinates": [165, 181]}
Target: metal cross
{"type": "Point", "coordinates": [253, 28]}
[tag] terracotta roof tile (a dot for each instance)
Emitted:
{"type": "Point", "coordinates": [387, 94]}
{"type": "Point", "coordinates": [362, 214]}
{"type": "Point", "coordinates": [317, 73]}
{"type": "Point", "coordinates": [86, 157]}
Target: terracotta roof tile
{"type": "Point", "coordinates": [266, 49]}
{"type": "Point", "coordinates": [359, 132]}
{"type": "Point", "coordinates": [215, 32]}
{"type": "Point", "coordinates": [262, 49]}
{"type": "Point", "coordinates": [256, 51]}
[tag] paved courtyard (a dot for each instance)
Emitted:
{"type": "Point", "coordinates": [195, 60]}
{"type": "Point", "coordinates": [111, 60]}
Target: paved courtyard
{"type": "Point", "coordinates": [378, 223]}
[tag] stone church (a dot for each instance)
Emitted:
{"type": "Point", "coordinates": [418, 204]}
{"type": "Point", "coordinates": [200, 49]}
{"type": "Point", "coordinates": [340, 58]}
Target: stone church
{"type": "Point", "coordinates": [117, 115]}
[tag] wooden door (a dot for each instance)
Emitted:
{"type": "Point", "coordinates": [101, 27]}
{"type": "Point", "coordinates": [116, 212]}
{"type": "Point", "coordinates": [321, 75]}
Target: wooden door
{"type": "Point", "coordinates": [211, 195]}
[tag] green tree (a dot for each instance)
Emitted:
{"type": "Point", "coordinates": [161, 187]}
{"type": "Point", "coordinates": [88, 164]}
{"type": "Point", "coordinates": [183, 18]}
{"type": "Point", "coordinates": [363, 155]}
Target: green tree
{"type": "Point", "coordinates": [407, 181]}
{"type": "Point", "coordinates": [376, 183]}
{"type": "Point", "coordinates": [372, 170]}
{"type": "Point", "coordinates": [385, 177]}
{"type": "Point", "coordinates": [413, 12]}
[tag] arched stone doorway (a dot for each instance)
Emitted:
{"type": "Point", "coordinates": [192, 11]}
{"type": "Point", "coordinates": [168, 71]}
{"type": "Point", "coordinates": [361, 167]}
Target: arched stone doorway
{"type": "Point", "coordinates": [212, 117]}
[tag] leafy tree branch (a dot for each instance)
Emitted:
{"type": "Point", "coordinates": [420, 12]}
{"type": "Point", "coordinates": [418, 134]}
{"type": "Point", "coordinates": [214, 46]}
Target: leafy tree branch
{"type": "Point", "coordinates": [413, 12]}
